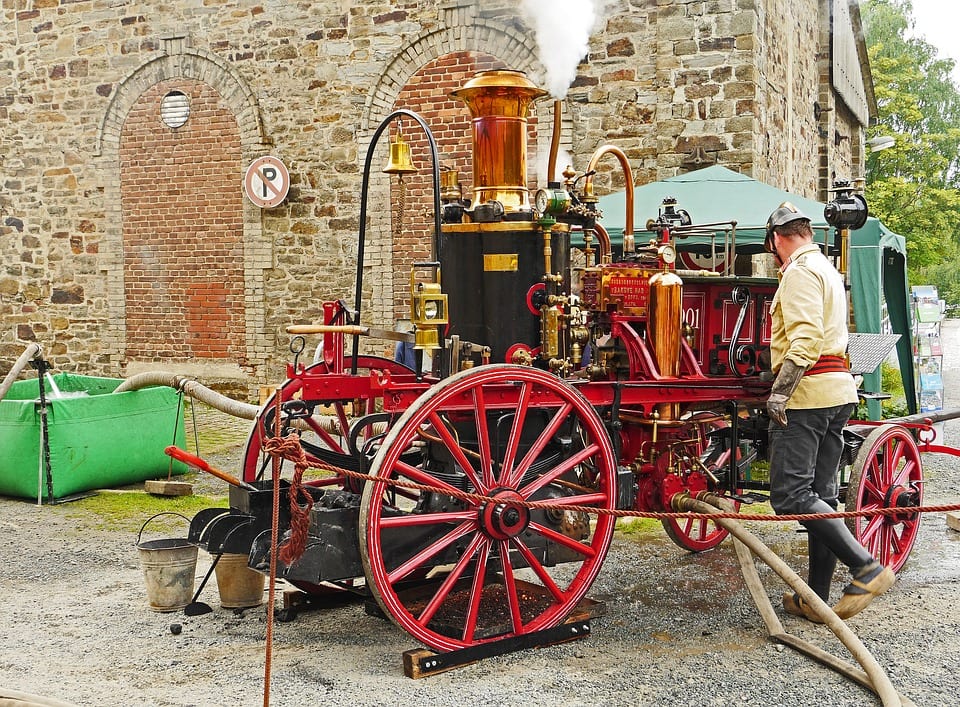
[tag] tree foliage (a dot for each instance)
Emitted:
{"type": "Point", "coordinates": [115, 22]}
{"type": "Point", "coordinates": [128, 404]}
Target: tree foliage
{"type": "Point", "coordinates": [913, 187]}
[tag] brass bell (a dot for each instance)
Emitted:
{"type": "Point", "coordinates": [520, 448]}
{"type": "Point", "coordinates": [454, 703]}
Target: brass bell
{"type": "Point", "coordinates": [400, 161]}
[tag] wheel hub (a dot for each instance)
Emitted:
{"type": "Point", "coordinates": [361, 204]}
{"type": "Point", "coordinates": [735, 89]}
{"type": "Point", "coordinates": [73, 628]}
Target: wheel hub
{"type": "Point", "coordinates": [501, 520]}
{"type": "Point", "coordinates": [900, 497]}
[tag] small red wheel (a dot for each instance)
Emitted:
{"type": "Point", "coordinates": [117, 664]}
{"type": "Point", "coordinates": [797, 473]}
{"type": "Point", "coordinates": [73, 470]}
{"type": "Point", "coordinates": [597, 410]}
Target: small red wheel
{"type": "Point", "coordinates": [320, 435]}
{"type": "Point", "coordinates": [887, 473]}
{"type": "Point", "coordinates": [699, 534]}
{"type": "Point", "coordinates": [484, 569]}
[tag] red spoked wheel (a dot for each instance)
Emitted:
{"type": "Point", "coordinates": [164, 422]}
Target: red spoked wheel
{"type": "Point", "coordinates": [887, 473]}
{"type": "Point", "coordinates": [700, 534]}
{"type": "Point", "coordinates": [485, 570]}
{"type": "Point", "coordinates": [324, 435]}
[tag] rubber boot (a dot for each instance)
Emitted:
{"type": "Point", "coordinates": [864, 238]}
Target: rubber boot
{"type": "Point", "coordinates": [834, 533]}
{"type": "Point", "coordinates": [822, 565]}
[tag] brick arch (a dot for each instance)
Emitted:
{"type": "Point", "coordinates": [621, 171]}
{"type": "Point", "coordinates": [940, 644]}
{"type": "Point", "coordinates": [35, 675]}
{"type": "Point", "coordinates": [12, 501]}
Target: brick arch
{"type": "Point", "coordinates": [182, 230]}
{"type": "Point", "coordinates": [419, 78]}
{"type": "Point", "coordinates": [223, 92]}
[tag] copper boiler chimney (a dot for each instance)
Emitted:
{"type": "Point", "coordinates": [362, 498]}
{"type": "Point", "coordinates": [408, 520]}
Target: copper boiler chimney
{"type": "Point", "coordinates": [499, 102]}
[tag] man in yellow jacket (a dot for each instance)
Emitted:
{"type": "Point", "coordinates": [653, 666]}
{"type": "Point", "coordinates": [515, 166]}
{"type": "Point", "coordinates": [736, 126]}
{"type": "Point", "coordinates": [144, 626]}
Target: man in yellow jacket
{"type": "Point", "coordinates": [810, 401]}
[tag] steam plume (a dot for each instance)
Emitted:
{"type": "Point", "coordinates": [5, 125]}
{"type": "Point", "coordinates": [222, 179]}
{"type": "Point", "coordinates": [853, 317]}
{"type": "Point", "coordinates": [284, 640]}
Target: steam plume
{"type": "Point", "coordinates": [563, 29]}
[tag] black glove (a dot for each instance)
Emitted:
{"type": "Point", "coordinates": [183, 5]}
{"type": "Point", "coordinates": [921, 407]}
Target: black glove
{"type": "Point", "coordinates": [783, 387]}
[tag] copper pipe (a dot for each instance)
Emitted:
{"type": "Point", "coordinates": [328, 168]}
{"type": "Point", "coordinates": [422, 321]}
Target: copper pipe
{"type": "Point", "coordinates": [603, 240]}
{"type": "Point", "coordinates": [627, 183]}
{"type": "Point", "coordinates": [554, 142]}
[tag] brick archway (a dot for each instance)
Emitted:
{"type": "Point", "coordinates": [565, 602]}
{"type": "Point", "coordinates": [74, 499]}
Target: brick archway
{"type": "Point", "coordinates": [182, 229]}
{"type": "Point", "coordinates": [226, 100]}
{"type": "Point", "coordinates": [419, 77]}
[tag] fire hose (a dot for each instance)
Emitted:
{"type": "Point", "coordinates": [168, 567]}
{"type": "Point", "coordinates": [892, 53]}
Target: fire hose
{"type": "Point", "coordinates": [193, 389]}
{"type": "Point", "coordinates": [31, 352]}
{"type": "Point", "coordinates": [872, 677]}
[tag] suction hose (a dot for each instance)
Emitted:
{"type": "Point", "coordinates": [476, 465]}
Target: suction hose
{"type": "Point", "coordinates": [874, 678]}
{"type": "Point", "coordinates": [190, 387]}
{"type": "Point", "coordinates": [31, 352]}
{"type": "Point", "coordinates": [227, 405]}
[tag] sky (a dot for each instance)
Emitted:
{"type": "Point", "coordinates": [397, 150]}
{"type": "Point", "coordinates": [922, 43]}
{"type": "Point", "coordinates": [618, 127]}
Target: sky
{"type": "Point", "coordinates": [936, 21]}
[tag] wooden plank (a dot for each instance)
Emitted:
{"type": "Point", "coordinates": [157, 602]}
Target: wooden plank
{"type": "Point", "coordinates": [421, 663]}
{"type": "Point", "coordinates": [168, 488]}
{"type": "Point", "coordinates": [953, 520]}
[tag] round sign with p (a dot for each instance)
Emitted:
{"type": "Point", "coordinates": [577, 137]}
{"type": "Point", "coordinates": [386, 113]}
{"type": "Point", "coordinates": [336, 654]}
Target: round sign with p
{"type": "Point", "coordinates": [266, 182]}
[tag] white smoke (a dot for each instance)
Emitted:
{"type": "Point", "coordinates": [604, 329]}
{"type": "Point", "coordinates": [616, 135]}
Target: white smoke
{"type": "Point", "coordinates": [562, 29]}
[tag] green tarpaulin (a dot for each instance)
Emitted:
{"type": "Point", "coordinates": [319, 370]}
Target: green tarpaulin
{"type": "Point", "coordinates": [878, 263]}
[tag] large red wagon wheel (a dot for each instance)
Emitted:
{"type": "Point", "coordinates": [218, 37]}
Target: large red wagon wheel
{"type": "Point", "coordinates": [700, 534]}
{"type": "Point", "coordinates": [513, 433]}
{"type": "Point", "coordinates": [323, 435]}
{"type": "Point", "coordinates": [887, 473]}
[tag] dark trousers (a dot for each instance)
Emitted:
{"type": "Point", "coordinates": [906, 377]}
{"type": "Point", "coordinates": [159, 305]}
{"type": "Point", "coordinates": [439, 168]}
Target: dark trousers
{"type": "Point", "coordinates": [804, 459]}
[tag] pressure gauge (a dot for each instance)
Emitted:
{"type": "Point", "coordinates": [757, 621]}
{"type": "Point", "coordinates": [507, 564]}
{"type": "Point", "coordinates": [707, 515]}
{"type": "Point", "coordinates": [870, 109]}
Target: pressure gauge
{"type": "Point", "coordinates": [667, 253]}
{"type": "Point", "coordinates": [551, 201]}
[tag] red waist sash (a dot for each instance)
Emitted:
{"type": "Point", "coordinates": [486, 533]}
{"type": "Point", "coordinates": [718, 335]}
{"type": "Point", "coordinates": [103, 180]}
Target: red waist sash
{"type": "Point", "coordinates": [828, 364]}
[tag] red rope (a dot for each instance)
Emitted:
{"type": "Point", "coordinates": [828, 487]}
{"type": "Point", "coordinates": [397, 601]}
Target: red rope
{"type": "Point", "coordinates": [297, 455]}
{"type": "Point", "coordinates": [289, 448]}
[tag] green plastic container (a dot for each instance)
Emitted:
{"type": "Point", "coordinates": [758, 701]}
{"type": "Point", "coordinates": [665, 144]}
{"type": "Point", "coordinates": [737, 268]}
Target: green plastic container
{"type": "Point", "coordinates": [97, 438]}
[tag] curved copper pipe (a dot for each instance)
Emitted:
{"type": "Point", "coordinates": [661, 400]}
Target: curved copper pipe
{"type": "Point", "coordinates": [554, 142]}
{"type": "Point", "coordinates": [603, 240]}
{"type": "Point", "coordinates": [627, 179]}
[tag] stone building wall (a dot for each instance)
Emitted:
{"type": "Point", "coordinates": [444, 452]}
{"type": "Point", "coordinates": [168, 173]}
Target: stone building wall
{"type": "Point", "coordinates": [676, 84]}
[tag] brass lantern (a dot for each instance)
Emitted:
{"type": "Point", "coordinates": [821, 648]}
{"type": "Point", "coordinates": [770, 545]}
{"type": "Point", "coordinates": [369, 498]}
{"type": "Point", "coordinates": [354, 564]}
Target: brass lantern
{"type": "Point", "coordinates": [428, 312]}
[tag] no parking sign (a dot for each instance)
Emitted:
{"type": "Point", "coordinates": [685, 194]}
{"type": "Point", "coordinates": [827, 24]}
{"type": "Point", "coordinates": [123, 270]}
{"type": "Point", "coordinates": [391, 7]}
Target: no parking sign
{"type": "Point", "coordinates": [266, 182]}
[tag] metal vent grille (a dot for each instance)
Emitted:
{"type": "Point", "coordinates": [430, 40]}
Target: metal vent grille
{"type": "Point", "coordinates": [174, 109]}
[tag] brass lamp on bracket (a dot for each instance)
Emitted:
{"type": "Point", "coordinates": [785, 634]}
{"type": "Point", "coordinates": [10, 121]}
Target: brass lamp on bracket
{"type": "Point", "coordinates": [428, 312]}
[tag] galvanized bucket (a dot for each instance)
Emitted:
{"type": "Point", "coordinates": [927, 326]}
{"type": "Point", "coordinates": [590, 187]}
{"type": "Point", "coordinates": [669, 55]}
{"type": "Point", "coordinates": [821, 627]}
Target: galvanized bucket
{"type": "Point", "coordinates": [169, 568]}
{"type": "Point", "coordinates": [240, 587]}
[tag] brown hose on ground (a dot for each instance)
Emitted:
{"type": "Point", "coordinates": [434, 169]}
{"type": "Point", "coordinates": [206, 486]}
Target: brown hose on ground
{"type": "Point", "coordinates": [874, 678]}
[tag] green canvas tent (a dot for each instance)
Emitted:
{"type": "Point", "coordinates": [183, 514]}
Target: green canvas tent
{"type": "Point", "coordinates": [878, 263]}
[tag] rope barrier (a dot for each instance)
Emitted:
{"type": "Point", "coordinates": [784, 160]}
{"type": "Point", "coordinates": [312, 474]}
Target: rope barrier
{"type": "Point", "coordinates": [295, 453]}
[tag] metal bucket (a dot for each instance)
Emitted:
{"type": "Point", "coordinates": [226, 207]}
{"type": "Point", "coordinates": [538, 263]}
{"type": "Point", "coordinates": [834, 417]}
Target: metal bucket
{"type": "Point", "coordinates": [169, 569]}
{"type": "Point", "coordinates": [240, 587]}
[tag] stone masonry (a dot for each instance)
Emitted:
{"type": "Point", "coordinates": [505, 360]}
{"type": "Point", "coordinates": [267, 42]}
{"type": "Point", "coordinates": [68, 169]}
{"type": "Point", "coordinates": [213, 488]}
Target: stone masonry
{"type": "Point", "coordinates": [127, 244]}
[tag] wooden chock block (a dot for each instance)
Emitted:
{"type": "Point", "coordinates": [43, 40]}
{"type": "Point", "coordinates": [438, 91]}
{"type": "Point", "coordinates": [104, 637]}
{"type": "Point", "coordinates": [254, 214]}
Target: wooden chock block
{"type": "Point", "coordinates": [168, 488]}
{"type": "Point", "coordinates": [953, 520]}
{"type": "Point", "coordinates": [266, 392]}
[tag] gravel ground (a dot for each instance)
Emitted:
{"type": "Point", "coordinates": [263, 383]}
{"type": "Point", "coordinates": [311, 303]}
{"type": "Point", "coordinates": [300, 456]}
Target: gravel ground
{"type": "Point", "coordinates": [679, 629]}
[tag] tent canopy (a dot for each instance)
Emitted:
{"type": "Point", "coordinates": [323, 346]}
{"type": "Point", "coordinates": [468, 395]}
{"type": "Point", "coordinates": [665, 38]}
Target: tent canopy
{"type": "Point", "coordinates": [878, 263]}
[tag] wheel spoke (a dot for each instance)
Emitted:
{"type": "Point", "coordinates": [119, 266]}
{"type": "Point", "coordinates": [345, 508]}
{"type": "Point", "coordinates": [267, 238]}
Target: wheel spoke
{"type": "Point", "coordinates": [873, 529]}
{"type": "Point", "coordinates": [413, 519]}
{"type": "Point", "coordinates": [476, 590]}
{"type": "Point", "coordinates": [588, 499]}
{"type": "Point", "coordinates": [585, 550]}
{"type": "Point", "coordinates": [510, 586]}
{"type": "Point", "coordinates": [432, 550]}
{"type": "Point", "coordinates": [456, 451]}
{"type": "Point", "coordinates": [558, 471]}
{"type": "Point", "coordinates": [542, 440]}
{"type": "Point", "coordinates": [516, 431]}
{"type": "Point", "coordinates": [483, 437]}
{"type": "Point", "coordinates": [539, 569]}
{"type": "Point", "coordinates": [329, 439]}
{"type": "Point", "coordinates": [448, 584]}
{"type": "Point", "coordinates": [423, 477]}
